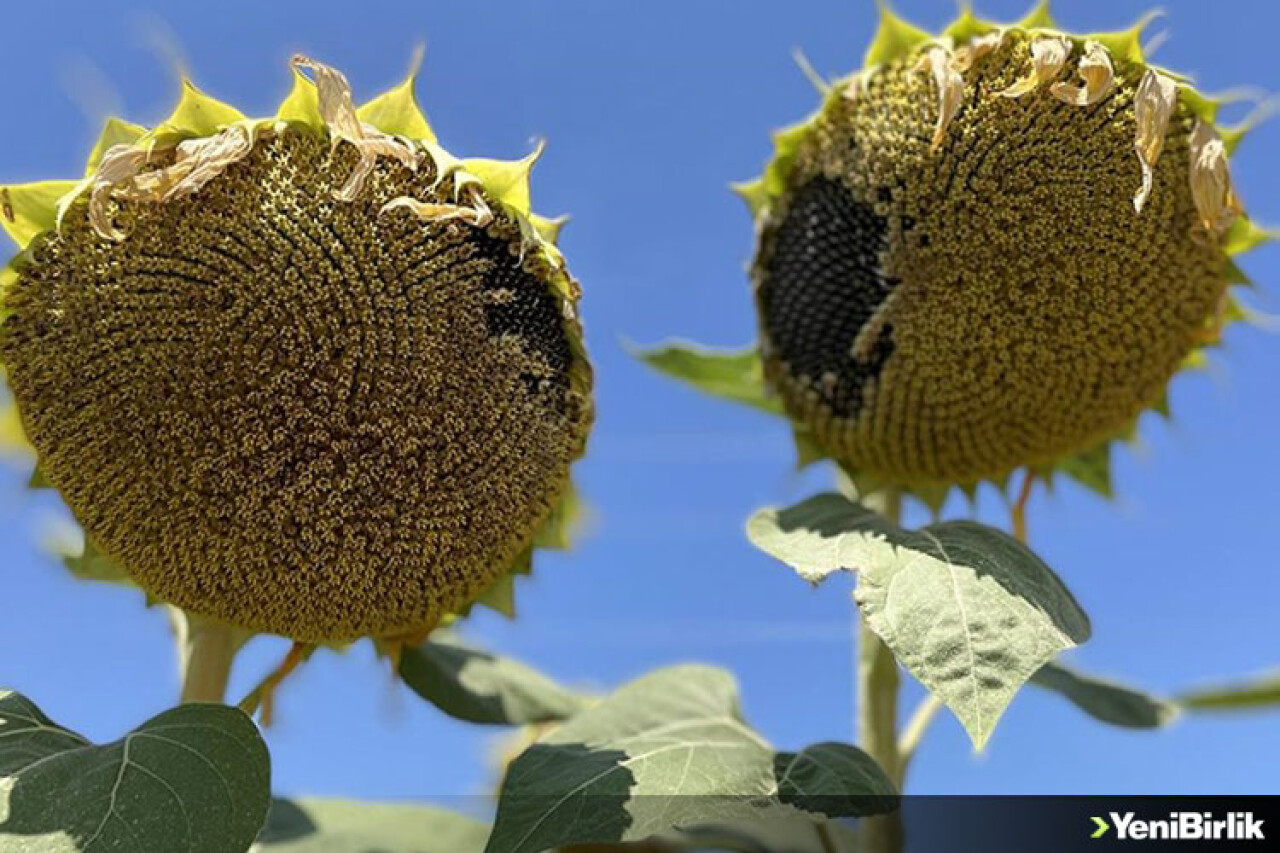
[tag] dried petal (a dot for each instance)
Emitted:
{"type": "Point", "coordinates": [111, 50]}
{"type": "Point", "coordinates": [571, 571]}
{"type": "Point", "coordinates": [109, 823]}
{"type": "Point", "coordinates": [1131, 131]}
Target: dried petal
{"type": "Point", "coordinates": [478, 213]}
{"type": "Point", "coordinates": [1048, 55]}
{"type": "Point", "coordinates": [854, 87]}
{"type": "Point", "coordinates": [1153, 105]}
{"type": "Point", "coordinates": [1211, 187]}
{"type": "Point", "coordinates": [1098, 75]}
{"type": "Point", "coordinates": [338, 111]}
{"type": "Point", "coordinates": [201, 160]}
{"type": "Point", "coordinates": [976, 49]}
{"type": "Point", "coordinates": [937, 60]}
{"type": "Point", "coordinates": [119, 165]}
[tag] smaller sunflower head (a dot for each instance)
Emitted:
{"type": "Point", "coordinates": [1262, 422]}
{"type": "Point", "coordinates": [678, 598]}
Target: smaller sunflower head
{"type": "Point", "coordinates": [310, 374]}
{"type": "Point", "coordinates": [991, 249]}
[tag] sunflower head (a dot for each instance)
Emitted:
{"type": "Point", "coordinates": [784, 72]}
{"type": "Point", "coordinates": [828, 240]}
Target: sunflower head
{"type": "Point", "coordinates": [991, 249]}
{"type": "Point", "coordinates": [311, 374]}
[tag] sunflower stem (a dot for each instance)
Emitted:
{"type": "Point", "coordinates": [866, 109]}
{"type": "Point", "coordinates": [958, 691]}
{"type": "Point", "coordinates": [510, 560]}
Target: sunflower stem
{"type": "Point", "coordinates": [877, 708]}
{"type": "Point", "coordinates": [206, 650]}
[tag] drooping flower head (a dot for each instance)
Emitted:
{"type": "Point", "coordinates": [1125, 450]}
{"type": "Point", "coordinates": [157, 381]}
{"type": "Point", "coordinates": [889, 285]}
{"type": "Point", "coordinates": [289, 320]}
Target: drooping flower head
{"type": "Point", "coordinates": [991, 249]}
{"type": "Point", "coordinates": [310, 374]}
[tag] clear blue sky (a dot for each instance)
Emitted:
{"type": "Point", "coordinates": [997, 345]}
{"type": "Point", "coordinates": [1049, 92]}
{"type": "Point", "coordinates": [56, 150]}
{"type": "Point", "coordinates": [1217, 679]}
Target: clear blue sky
{"type": "Point", "coordinates": [650, 110]}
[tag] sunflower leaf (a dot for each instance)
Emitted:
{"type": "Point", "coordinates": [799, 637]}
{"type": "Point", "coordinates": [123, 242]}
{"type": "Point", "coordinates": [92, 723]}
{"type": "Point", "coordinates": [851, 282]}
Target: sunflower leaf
{"type": "Point", "coordinates": [314, 825]}
{"type": "Point", "coordinates": [194, 778]}
{"type": "Point", "coordinates": [1105, 700]}
{"type": "Point", "coordinates": [670, 751]}
{"type": "Point", "coordinates": [475, 686]}
{"type": "Point", "coordinates": [967, 609]}
{"type": "Point", "coordinates": [734, 375]}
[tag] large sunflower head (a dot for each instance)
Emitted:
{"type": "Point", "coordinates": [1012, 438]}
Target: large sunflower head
{"type": "Point", "coordinates": [311, 374]}
{"type": "Point", "coordinates": [991, 249]}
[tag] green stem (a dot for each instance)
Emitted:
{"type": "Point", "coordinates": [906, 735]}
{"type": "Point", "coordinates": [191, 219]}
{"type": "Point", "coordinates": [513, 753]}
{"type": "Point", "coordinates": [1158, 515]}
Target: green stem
{"type": "Point", "coordinates": [206, 650]}
{"type": "Point", "coordinates": [914, 732]}
{"type": "Point", "coordinates": [878, 710]}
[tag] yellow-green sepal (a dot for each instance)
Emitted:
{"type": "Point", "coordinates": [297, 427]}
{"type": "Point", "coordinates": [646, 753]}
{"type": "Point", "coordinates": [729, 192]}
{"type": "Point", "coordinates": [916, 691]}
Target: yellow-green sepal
{"type": "Point", "coordinates": [302, 104]}
{"type": "Point", "coordinates": [30, 209]}
{"type": "Point", "coordinates": [967, 26]}
{"type": "Point", "coordinates": [548, 228]}
{"type": "Point", "coordinates": [807, 450]}
{"type": "Point", "coordinates": [8, 278]}
{"type": "Point", "coordinates": [1040, 17]}
{"type": "Point", "coordinates": [396, 111]}
{"type": "Point", "coordinates": [1202, 106]}
{"type": "Point", "coordinates": [13, 441]}
{"type": "Point", "coordinates": [500, 596]}
{"type": "Point", "coordinates": [753, 193]}
{"type": "Point", "coordinates": [894, 38]}
{"type": "Point", "coordinates": [506, 180]}
{"type": "Point", "coordinates": [1126, 44]}
{"type": "Point", "coordinates": [1245, 235]}
{"type": "Point", "coordinates": [1235, 275]}
{"type": "Point", "coordinates": [760, 193]}
{"type": "Point", "coordinates": [115, 132]}
{"type": "Point", "coordinates": [196, 115]}
{"type": "Point", "coordinates": [1090, 468]}
{"type": "Point", "coordinates": [566, 519]}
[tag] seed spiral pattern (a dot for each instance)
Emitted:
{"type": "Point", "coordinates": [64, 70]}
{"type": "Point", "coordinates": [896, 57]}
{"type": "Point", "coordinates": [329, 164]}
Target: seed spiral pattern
{"type": "Point", "coordinates": [297, 414]}
{"type": "Point", "coordinates": [948, 316]}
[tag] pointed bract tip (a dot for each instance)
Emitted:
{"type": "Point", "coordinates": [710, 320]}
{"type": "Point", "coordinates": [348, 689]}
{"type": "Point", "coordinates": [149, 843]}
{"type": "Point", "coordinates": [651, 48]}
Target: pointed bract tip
{"type": "Point", "coordinates": [1126, 44]}
{"type": "Point", "coordinates": [894, 38]}
{"type": "Point", "coordinates": [1245, 235]}
{"type": "Point", "coordinates": [396, 111]}
{"type": "Point", "coordinates": [1040, 17]}
{"type": "Point", "coordinates": [1235, 134]}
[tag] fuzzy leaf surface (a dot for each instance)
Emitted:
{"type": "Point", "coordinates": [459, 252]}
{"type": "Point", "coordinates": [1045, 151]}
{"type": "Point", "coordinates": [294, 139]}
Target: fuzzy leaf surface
{"type": "Point", "coordinates": [967, 609]}
{"type": "Point", "coordinates": [667, 753]}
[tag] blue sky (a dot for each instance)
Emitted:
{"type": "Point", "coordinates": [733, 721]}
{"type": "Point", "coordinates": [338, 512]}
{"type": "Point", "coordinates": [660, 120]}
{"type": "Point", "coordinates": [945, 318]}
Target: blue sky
{"type": "Point", "coordinates": [650, 110]}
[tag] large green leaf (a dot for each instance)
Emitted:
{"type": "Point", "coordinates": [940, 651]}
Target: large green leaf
{"type": "Point", "coordinates": [670, 752]}
{"type": "Point", "coordinates": [735, 375]}
{"type": "Point", "coordinates": [338, 826]}
{"type": "Point", "coordinates": [967, 609]}
{"type": "Point", "coordinates": [1105, 700]}
{"type": "Point", "coordinates": [195, 779]}
{"type": "Point", "coordinates": [1258, 694]}
{"type": "Point", "coordinates": [478, 687]}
